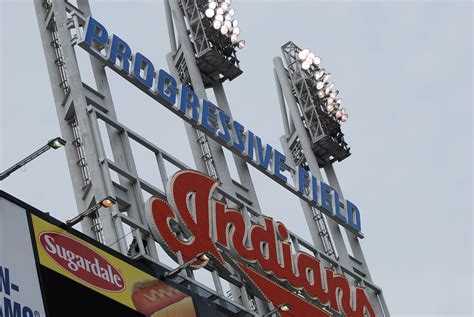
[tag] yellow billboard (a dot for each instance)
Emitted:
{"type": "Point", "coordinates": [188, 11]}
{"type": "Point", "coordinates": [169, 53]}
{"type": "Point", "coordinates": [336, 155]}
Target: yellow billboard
{"type": "Point", "coordinates": [106, 274]}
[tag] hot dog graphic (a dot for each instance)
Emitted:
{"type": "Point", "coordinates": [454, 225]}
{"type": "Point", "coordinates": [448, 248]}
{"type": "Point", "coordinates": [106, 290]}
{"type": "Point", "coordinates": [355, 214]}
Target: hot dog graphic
{"type": "Point", "coordinates": [157, 299]}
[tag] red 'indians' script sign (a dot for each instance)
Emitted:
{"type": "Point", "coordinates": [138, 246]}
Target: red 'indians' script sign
{"type": "Point", "coordinates": [213, 228]}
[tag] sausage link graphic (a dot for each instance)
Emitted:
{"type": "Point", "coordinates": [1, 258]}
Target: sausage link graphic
{"type": "Point", "coordinates": [157, 299]}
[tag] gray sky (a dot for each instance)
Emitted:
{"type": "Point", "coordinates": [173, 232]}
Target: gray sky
{"type": "Point", "coordinates": [404, 70]}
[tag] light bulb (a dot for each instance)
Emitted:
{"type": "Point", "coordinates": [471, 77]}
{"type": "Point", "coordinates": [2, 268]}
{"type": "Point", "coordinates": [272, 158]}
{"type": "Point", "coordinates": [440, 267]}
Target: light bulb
{"type": "Point", "coordinates": [219, 17]}
{"type": "Point", "coordinates": [319, 85]}
{"type": "Point", "coordinates": [212, 5]}
{"type": "Point", "coordinates": [241, 44]}
{"type": "Point", "coordinates": [285, 307]}
{"type": "Point", "coordinates": [305, 65]}
{"type": "Point", "coordinates": [344, 117]}
{"type": "Point", "coordinates": [106, 203]}
{"type": "Point", "coordinates": [224, 30]}
{"type": "Point", "coordinates": [210, 13]}
{"type": "Point", "coordinates": [330, 108]}
{"type": "Point", "coordinates": [317, 60]}
{"type": "Point", "coordinates": [236, 30]}
{"type": "Point", "coordinates": [217, 24]}
{"type": "Point", "coordinates": [302, 55]}
{"type": "Point", "coordinates": [319, 74]}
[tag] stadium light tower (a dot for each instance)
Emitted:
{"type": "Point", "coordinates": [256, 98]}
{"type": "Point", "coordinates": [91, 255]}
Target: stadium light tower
{"type": "Point", "coordinates": [319, 102]}
{"type": "Point", "coordinates": [55, 143]}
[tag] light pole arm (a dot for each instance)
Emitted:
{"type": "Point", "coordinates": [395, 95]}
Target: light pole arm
{"type": "Point", "coordinates": [54, 143]}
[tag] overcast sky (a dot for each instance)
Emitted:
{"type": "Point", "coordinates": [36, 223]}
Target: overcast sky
{"type": "Point", "coordinates": [404, 70]}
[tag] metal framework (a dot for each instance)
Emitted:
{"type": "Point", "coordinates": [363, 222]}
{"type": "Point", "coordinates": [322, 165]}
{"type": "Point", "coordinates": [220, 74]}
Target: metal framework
{"type": "Point", "coordinates": [323, 129]}
{"type": "Point", "coordinates": [196, 58]}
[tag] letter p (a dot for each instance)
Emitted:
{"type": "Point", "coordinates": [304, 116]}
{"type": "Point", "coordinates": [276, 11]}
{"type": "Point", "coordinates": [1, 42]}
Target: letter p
{"type": "Point", "coordinates": [95, 33]}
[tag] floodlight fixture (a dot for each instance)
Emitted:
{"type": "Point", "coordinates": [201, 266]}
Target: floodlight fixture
{"type": "Point", "coordinates": [55, 143]}
{"type": "Point", "coordinates": [330, 108]}
{"type": "Point", "coordinates": [319, 85]}
{"type": "Point", "coordinates": [198, 262]}
{"type": "Point", "coordinates": [217, 24]}
{"type": "Point", "coordinates": [212, 5]}
{"type": "Point", "coordinates": [344, 117]}
{"type": "Point", "coordinates": [210, 13]}
{"type": "Point", "coordinates": [222, 20]}
{"type": "Point", "coordinates": [302, 55]}
{"type": "Point", "coordinates": [282, 308]}
{"type": "Point", "coordinates": [338, 114]}
{"type": "Point", "coordinates": [305, 65]}
{"type": "Point", "coordinates": [104, 203]}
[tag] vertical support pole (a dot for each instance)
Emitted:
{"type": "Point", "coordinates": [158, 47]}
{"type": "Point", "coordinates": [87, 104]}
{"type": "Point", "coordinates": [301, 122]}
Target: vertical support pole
{"type": "Point", "coordinates": [240, 164]}
{"type": "Point", "coordinates": [310, 159]}
{"type": "Point", "coordinates": [76, 101]}
{"type": "Point", "coordinates": [284, 115]}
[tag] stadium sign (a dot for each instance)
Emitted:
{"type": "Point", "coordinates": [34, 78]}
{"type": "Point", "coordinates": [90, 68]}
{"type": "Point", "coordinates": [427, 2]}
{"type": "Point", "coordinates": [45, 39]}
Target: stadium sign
{"type": "Point", "coordinates": [217, 124]}
{"type": "Point", "coordinates": [261, 250]}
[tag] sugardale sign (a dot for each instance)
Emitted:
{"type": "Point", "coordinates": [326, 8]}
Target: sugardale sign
{"type": "Point", "coordinates": [191, 222]}
{"type": "Point", "coordinates": [218, 125]}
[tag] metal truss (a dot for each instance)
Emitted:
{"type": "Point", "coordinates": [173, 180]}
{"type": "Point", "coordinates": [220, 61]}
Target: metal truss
{"type": "Point", "coordinates": [324, 131]}
{"type": "Point", "coordinates": [215, 55]}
